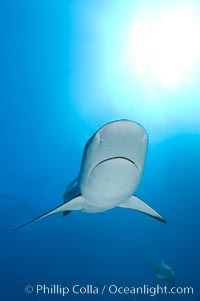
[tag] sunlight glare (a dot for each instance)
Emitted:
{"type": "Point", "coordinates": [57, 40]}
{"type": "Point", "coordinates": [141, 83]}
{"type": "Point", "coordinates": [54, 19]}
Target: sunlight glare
{"type": "Point", "coordinates": [164, 46]}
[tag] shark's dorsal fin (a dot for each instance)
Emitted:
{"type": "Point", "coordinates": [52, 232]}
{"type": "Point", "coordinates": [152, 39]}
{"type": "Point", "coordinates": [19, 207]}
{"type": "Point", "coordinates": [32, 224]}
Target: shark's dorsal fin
{"type": "Point", "coordinates": [136, 204]}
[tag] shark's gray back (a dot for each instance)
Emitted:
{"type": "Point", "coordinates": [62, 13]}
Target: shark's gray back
{"type": "Point", "coordinates": [71, 192]}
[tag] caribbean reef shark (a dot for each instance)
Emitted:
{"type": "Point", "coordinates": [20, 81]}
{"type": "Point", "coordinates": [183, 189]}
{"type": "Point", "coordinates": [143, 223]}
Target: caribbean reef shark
{"type": "Point", "coordinates": [110, 172]}
{"type": "Point", "coordinates": [165, 272]}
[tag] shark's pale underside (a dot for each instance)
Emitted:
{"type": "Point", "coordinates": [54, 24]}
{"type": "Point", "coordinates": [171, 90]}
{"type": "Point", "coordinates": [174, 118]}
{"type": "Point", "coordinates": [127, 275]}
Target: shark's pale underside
{"type": "Point", "coordinates": [111, 170]}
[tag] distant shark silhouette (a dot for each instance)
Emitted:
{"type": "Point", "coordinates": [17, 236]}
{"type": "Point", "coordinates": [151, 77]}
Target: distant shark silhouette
{"type": "Point", "coordinates": [163, 271]}
{"type": "Point", "coordinates": [111, 169]}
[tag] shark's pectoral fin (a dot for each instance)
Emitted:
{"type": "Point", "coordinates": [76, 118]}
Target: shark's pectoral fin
{"type": "Point", "coordinates": [160, 276]}
{"type": "Point", "coordinates": [75, 204]}
{"type": "Point", "coordinates": [136, 204]}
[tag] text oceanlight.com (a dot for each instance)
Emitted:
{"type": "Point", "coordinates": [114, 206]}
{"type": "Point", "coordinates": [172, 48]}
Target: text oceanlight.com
{"type": "Point", "coordinates": [111, 289]}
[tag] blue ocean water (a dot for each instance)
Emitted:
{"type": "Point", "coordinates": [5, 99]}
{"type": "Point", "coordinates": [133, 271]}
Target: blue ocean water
{"type": "Point", "coordinates": [59, 83]}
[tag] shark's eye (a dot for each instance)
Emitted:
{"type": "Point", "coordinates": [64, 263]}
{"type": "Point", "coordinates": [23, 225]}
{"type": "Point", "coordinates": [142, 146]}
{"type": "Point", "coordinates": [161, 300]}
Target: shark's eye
{"type": "Point", "coordinates": [100, 137]}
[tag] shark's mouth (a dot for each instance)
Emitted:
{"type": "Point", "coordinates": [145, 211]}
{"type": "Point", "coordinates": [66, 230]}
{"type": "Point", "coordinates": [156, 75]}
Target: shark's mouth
{"type": "Point", "coordinates": [114, 158]}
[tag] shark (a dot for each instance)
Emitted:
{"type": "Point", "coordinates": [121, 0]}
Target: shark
{"type": "Point", "coordinates": [110, 172]}
{"type": "Point", "coordinates": [165, 272]}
